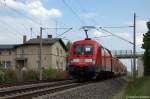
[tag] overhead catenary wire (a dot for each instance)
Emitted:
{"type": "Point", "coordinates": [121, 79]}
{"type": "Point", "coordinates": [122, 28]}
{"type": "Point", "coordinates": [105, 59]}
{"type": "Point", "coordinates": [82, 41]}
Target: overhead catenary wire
{"type": "Point", "coordinates": [76, 15]}
{"type": "Point", "coordinates": [85, 11]}
{"type": "Point", "coordinates": [115, 35]}
{"type": "Point", "coordinates": [102, 36]}
{"type": "Point", "coordinates": [12, 29]}
{"type": "Point", "coordinates": [112, 34]}
{"type": "Point", "coordinates": [117, 26]}
{"type": "Point", "coordinates": [63, 32]}
{"type": "Point", "coordinates": [22, 25]}
{"type": "Point", "coordinates": [19, 13]}
{"type": "Point", "coordinates": [4, 4]}
{"type": "Point", "coordinates": [7, 26]}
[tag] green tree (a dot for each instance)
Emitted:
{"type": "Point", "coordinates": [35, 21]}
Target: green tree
{"type": "Point", "coordinates": [146, 46]}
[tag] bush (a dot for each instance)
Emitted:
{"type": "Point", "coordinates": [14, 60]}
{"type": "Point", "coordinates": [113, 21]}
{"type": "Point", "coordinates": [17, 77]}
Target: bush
{"type": "Point", "coordinates": [13, 76]}
{"type": "Point", "coordinates": [30, 75]}
{"type": "Point", "coordinates": [49, 73]}
{"type": "Point", "coordinates": [53, 74]}
{"type": "Point", "coordinates": [10, 76]}
{"type": "Point", "coordinates": [2, 76]}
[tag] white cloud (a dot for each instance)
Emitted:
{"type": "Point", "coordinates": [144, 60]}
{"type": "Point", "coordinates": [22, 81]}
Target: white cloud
{"type": "Point", "coordinates": [141, 29]}
{"type": "Point", "coordinates": [34, 7]}
{"type": "Point", "coordinates": [139, 39]}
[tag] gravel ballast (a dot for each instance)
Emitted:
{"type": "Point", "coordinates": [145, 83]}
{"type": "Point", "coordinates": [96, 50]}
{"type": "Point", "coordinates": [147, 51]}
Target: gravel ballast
{"type": "Point", "coordinates": [105, 89]}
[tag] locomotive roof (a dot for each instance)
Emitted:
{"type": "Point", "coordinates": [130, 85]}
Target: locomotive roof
{"type": "Point", "coordinates": [87, 40]}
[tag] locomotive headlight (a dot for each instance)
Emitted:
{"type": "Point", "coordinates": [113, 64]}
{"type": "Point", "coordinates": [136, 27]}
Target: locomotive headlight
{"type": "Point", "coordinates": [75, 60]}
{"type": "Point", "coordinates": [88, 60]}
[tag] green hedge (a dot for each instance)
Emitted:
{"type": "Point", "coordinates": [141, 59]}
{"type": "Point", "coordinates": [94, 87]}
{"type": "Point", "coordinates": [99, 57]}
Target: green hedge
{"type": "Point", "coordinates": [49, 73]}
{"type": "Point", "coordinates": [12, 76]}
{"type": "Point", "coordinates": [54, 74]}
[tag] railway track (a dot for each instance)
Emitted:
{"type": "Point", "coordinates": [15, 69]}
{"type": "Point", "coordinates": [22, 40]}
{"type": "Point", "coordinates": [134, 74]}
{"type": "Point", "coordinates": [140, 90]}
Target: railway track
{"type": "Point", "coordinates": [4, 85]}
{"type": "Point", "coordinates": [33, 90]}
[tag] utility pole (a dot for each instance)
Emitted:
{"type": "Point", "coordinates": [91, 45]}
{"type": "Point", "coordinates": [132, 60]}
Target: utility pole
{"type": "Point", "coordinates": [134, 47]}
{"type": "Point", "coordinates": [131, 64]}
{"type": "Point", "coordinates": [40, 55]}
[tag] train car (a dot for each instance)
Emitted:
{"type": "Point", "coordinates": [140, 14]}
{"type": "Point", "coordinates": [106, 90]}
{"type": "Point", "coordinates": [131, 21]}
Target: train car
{"type": "Point", "coordinates": [88, 59]}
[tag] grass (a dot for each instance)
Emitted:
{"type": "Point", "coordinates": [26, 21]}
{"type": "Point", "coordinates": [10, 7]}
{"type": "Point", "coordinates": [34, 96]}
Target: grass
{"type": "Point", "coordinates": [140, 88]}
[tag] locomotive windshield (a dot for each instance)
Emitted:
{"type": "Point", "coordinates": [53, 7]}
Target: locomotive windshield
{"type": "Point", "coordinates": [83, 49]}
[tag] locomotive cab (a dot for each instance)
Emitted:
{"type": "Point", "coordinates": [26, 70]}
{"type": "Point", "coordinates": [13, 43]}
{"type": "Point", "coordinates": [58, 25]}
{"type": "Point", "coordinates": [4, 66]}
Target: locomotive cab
{"type": "Point", "coordinates": [83, 53]}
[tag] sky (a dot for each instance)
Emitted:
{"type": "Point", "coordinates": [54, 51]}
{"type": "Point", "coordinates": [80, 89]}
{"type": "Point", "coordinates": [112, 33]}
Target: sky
{"type": "Point", "coordinates": [17, 17]}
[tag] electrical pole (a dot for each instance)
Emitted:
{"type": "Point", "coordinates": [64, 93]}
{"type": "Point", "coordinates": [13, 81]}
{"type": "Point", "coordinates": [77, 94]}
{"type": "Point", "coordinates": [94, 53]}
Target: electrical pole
{"type": "Point", "coordinates": [40, 55]}
{"type": "Point", "coordinates": [134, 47]}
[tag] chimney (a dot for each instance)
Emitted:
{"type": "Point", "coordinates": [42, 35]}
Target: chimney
{"type": "Point", "coordinates": [24, 39]}
{"type": "Point", "coordinates": [49, 36]}
{"type": "Point", "coordinates": [38, 37]}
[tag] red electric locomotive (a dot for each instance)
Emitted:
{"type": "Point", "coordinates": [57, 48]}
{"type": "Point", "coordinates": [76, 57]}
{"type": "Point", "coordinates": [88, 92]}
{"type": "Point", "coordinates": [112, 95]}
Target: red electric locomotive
{"type": "Point", "coordinates": [88, 59]}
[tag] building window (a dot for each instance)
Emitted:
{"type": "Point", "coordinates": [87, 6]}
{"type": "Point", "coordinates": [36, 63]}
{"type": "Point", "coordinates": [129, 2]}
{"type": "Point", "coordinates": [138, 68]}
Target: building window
{"type": "Point", "coordinates": [8, 64]}
{"type": "Point", "coordinates": [22, 52]}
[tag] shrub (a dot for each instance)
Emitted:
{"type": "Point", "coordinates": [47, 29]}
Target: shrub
{"type": "Point", "coordinates": [11, 76]}
{"type": "Point", "coordinates": [53, 74]}
{"type": "Point", "coordinates": [2, 76]}
{"type": "Point", "coordinates": [30, 75]}
{"type": "Point", "coordinates": [49, 73]}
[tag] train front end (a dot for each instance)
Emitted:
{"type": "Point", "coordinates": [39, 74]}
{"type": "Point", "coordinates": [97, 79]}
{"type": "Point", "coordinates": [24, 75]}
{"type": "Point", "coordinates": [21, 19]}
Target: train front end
{"type": "Point", "coordinates": [82, 59]}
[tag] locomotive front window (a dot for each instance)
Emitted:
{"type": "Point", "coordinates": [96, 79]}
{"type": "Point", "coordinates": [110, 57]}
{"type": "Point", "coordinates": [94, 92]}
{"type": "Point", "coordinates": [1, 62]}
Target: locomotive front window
{"type": "Point", "coordinates": [83, 49]}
